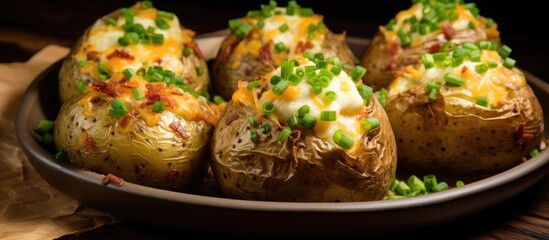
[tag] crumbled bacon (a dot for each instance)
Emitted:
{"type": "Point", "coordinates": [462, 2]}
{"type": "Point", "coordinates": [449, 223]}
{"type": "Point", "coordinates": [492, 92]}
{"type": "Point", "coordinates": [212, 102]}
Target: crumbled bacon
{"type": "Point", "coordinates": [435, 48]}
{"type": "Point", "coordinates": [92, 56]}
{"type": "Point", "coordinates": [108, 88]}
{"type": "Point", "coordinates": [158, 61]}
{"type": "Point", "coordinates": [448, 31]}
{"type": "Point", "coordinates": [176, 127]}
{"type": "Point", "coordinates": [126, 118]}
{"type": "Point", "coordinates": [173, 174]}
{"type": "Point", "coordinates": [154, 94]}
{"type": "Point", "coordinates": [114, 179]}
{"type": "Point", "coordinates": [231, 118]}
{"type": "Point", "coordinates": [464, 69]}
{"type": "Point", "coordinates": [265, 53]}
{"type": "Point", "coordinates": [120, 54]}
{"type": "Point", "coordinates": [521, 137]}
{"type": "Point", "coordinates": [303, 46]}
{"type": "Point", "coordinates": [89, 143]}
{"type": "Point", "coordinates": [139, 170]}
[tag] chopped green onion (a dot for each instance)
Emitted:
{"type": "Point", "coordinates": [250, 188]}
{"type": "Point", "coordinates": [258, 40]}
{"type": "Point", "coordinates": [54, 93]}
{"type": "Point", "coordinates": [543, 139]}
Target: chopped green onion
{"type": "Point", "coordinates": [469, 46]}
{"type": "Point", "coordinates": [81, 86]}
{"type": "Point", "coordinates": [381, 96]}
{"type": "Point", "coordinates": [453, 80]}
{"type": "Point", "coordinates": [287, 67]}
{"type": "Point", "coordinates": [300, 72]}
{"type": "Point", "coordinates": [110, 21]}
{"type": "Point", "coordinates": [159, 106]}
{"type": "Point", "coordinates": [61, 155]}
{"type": "Point", "coordinates": [357, 73]}
{"type": "Point", "coordinates": [254, 13]}
{"type": "Point", "coordinates": [158, 39]}
{"type": "Point", "coordinates": [327, 115]}
{"type": "Point", "coordinates": [505, 51]}
{"type": "Point", "coordinates": [275, 79]}
{"type": "Point", "coordinates": [326, 73]}
{"type": "Point", "coordinates": [481, 68]}
{"type": "Point", "coordinates": [235, 23]}
{"type": "Point", "coordinates": [457, 61]}
{"type": "Point", "coordinates": [485, 45]}
{"type": "Point", "coordinates": [251, 121]}
{"type": "Point", "coordinates": [471, 25]}
{"type": "Point", "coordinates": [293, 122]}
{"type": "Point", "coordinates": [321, 64]}
{"type": "Point", "coordinates": [460, 52]}
{"type": "Point", "coordinates": [146, 4]}
{"type": "Point", "coordinates": [433, 85]}
{"type": "Point", "coordinates": [161, 23]}
{"type": "Point", "coordinates": [253, 136]}
{"type": "Point", "coordinates": [492, 64]}
{"type": "Point", "coordinates": [309, 55]}
{"type": "Point", "coordinates": [128, 73]}
{"type": "Point", "coordinates": [242, 30]}
{"type": "Point", "coordinates": [402, 188]}
{"type": "Point", "coordinates": [430, 182]}
{"type": "Point", "coordinates": [330, 96]}
{"type": "Point", "coordinates": [448, 46]}
{"type": "Point", "coordinates": [127, 13]}
{"type": "Point", "coordinates": [268, 108]}
{"type": "Point", "coordinates": [283, 27]}
{"type": "Point", "coordinates": [474, 56]}
{"type": "Point", "coordinates": [47, 139]}
{"type": "Point", "coordinates": [365, 92]}
{"type": "Point", "coordinates": [137, 93]}
{"type": "Point", "coordinates": [343, 140]}
{"type": "Point", "coordinates": [266, 10]}
{"type": "Point", "coordinates": [369, 124]}
{"type": "Point", "coordinates": [308, 121]}
{"type": "Point", "coordinates": [260, 24]}
{"type": "Point", "coordinates": [509, 63]}
{"type": "Point", "coordinates": [319, 56]}
{"type": "Point", "coordinates": [336, 70]}
{"type": "Point", "coordinates": [416, 184]}
{"type": "Point", "coordinates": [317, 88]}
{"type": "Point", "coordinates": [165, 14]}
{"type": "Point", "coordinates": [83, 63]}
{"type": "Point", "coordinates": [44, 126]}
{"type": "Point", "coordinates": [393, 185]}
{"type": "Point", "coordinates": [306, 12]}
{"type": "Point", "coordinates": [433, 94]}
{"type": "Point", "coordinates": [489, 23]}
{"type": "Point", "coordinates": [460, 183]}
{"type": "Point", "coordinates": [280, 47]}
{"type": "Point", "coordinates": [405, 39]}
{"type": "Point", "coordinates": [187, 51]}
{"type": "Point", "coordinates": [440, 187]}
{"type": "Point", "coordinates": [266, 127]}
{"type": "Point", "coordinates": [141, 71]}
{"type": "Point", "coordinates": [391, 24]}
{"type": "Point", "coordinates": [428, 60]}
{"type": "Point", "coordinates": [118, 109]}
{"type": "Point", "coordinates": [294, 79]}
{"type": "Point", "coordinates": [218, 99]}
{"type": "Point", "coordinates": [280, 87]}
{"type": "Point", "coordinates": [303, 110]}
{"type": "Point", "coordinates": [199, 70]}
{"type": "Point", "coordinates": [440, 56]}
{"type": "Point", "coordinates": [284, 134]}
{"type": "Point", "coordinates": [393, 197]}
{"type": "Point", "coordinates": [534, 153]}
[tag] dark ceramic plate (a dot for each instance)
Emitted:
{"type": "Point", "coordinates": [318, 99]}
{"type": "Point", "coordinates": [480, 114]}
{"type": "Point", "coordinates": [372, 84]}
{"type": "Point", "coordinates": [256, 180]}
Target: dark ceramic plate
{"type": "Point", "coordinates": [206, 213]}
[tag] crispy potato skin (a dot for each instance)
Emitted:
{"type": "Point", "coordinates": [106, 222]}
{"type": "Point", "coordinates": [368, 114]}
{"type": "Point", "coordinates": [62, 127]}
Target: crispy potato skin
{"type": "Point", "coordinates": [70, 73]}
{"type": "Point", "coordinates": [226, 78]}
{"type": "Point", "coordinates": [383, 61]}
{"type": "Point", "coordinates": [153, 156]}
{"type": "Point", "coordinates": [474, 140]}
{"type": "Point", "coordinates": [303, 168]}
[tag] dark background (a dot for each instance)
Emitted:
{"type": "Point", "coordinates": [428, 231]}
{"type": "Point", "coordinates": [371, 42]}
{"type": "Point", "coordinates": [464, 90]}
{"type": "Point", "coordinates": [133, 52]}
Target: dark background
{"type": "Point", "coordinates": [521, 23]}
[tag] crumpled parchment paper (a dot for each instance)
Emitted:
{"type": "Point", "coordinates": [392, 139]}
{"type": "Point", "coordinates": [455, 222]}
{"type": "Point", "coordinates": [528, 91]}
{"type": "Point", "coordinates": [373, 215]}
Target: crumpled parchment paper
{"type": "Point", "coordinates": [29, 207]}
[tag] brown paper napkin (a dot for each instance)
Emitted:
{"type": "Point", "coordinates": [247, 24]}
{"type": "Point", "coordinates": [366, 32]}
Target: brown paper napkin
{"type": "Point", "coordinates": [29, 207]}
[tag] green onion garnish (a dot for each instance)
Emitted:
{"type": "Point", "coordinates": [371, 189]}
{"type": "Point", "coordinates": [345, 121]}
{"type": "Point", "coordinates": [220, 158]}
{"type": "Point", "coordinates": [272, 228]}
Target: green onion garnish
{"type": "Point", "coordinates": [308, 121]}
{"type": "Point", "coordinates": [266, 127]}
{"type": "Point", "coordinates": [275, 79]}
{"type": "Point", "coordinates": [47, 139]}
{"type": "Point", "coordinates": [187, 51]}
{"type": "Point", "coordinates": [509, 63]}
{"type": "Point", "coordinates": [280, 87]}
{"type": "Point", "coordinates": [428, 60]}
{"type": "Point", "coordinates": [416, 184]}
{"type": "Point", "coordinates": [81, 86]}
{"type": "Point", "coordinates": [280, 47]}
{"type": "Point", "coordinates": [268, 108]}
{"type": "Point", "coordinates": [110, 21]}
{"type": "Point", "coordinates": [251, 121]}
{"type": "Point", "coordinates": [365, 92]}
{"type": "Point", "coordinates": [321, 64]}
{"type": "Point", "coordinates": [165, 14]}
{"type": "Point", "coordinates": [433, 85]}
{"type": "Point", "coordinates": [284, 134]}
{"type": "Point", "coordinates": [440, 187]}
{"type": "Point", "coordinates": [460, 183]}
{"type": "Point", "coordinates": [453, 80]}
{"type": "Point", "coordinates": [489, 23]}
{"type": "Point", "coordinates": [146, 4]}
{"type": "Point", "coordinates": [253, 136]}
{"type": "Point", "coordinates": [391, 24]}
{"type": "Point", "coordinates": [242, 30]}
{"type": "Point", "coordinates": [405, 39]}
{"type": "Point", "coordinates": [505, 51]}
{"type": "Point", "coordinates": [430, 182]}
{"type": "Point", "coordinates": [492, 64]}
{"type": "Point", "coordinates": [335, 70]}
{"type": "Point", "coordinates": [293, 122]}
{"type": "Point", "coordinates": [287, 67]}
{"type": "Point", "coordinates": [128, 73]}
{"type": "Point", "coordinates": [159, 106]}
{"type": "Point", "coordinates": [330, 96]}
{"type": "Point", "coordinates": [199, 70]}
{"type": "Point", "coordinates": [234, 24]}
{"type": "Point", "coordinates": [137, 93]}
{"type": "Point", "coordinates": [303, 110]}
{"type": "Point", "coordinates": [44, 126]}
{"type": "Point", "coordinates": [471, 25]}
{"type": "Point", "coordinates": [481, 68]}
{"type": "Point", "coordinates": [357, 73]}
{"type": "Point", "coordinates": [469, 46]}
{"type": "Point", "coordinates": [474, 56]}
{"type": "Point", "coordinates": [327, 115]}
{"type": "Point", "coordinates": [83, 63]}
{"type": "Point", "coordinates": [283, 27]}
{"type": "Point", "coordinates": [158, 39]}
{"type": "Point", "coordinates": [61, 155]}
{"type": "Point", "coordinates": [260, 24]}
{"type": "Point", "coordinates": [534, 153]}
{"type": "Point", "coordinates": [306, 12]}
{"type": "Point", "coordinates": [161, 23]}
{"type": "Point", "coordinates": [433, 94]}
{"type": "Point", "coordinates": [294, 79]}
{"type": "Point", "coordinates": [402, 188]}
{"type": "Point", "coordinates": [118, 109]}
{"type": "Point", "coordinates": [343, 140]}
{"type": "Point", "coordinates": [369, 124]}
{"type": "Point", "coordinates": [218, 99]}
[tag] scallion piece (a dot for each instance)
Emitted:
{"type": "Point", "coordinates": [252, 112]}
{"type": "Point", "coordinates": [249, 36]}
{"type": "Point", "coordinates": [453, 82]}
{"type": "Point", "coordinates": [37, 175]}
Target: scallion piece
{"type": "Point", "coordinates": [287, 67]}
{"type": "Point", "coordinates": [433, 85]}
{"type": "Point", "coordinates": [365, 92]}
{"type": "Point", "coordinates": [159, 106]}
{"type": "Point", "coordinates": [430, 182]}
{"type": "Point", "coordinates": [369, 124]}
{"type": "Point", "coordinates": [492, 64]}
{"type": "Point", "coordinates": [110, 21]}
{"type": "Point", "coordinates": [474, 56]}
{"type": "Point", "coordinates": [235, 23]}
{"type": "Point", "coordinates": [251, 121]}
{"type": "Point", "coordinates": [405, 39]}
{"type": "Point", "coordinates": [469, 46]}
{"type": "Point", "coordinates": [357, 73]}
{"type": "Point", "coordinates": [294, 79]}
{"type": "Point", "coordinates": [280, 47]}
{"type": "Point", "coordinates": [433, 94]}
{"type": "Point", "coordinates": [161, 23]}
{"type": "Point", "coordinates": [317, 88]}
{"type": "Point", "coordinates": [128, 73]}
{"type": "Point", "coordinates": [254, 136]}
{"type": "Point", "coordinates": [118, 109]}
{"type": "Point", "coordinates": [284, 134]}
{"type": "Point", "coordinates": [61, 155]}
{"type": "Point", "coordinates": [280, 87]}
{"type": "Point", "coordinates": [489, 23]}
{"type": "Point", "coordinates": [343, 140]}
{"type": "Point", "coordinates": [471, 25]}
{"type": "Point", "coordinates": [439, 57]}
{"type": "Point", "coordinates": [481, 68]}
{"type": "Point", "coordinates": [381, 96]}
{"type": "Point", "coordinates": [335, 70]}
{"type": "Point", "coordinates": [283, 28]}
{"type": "Point", "coordinates": [260, 24]}
{"type": "Point", "coordinates": [44, 126]}
{"type": "Point", "coordinates": [330, 96]}
{"type": "Point", "coordinates": [509, 63]}
{"type": "Point", "coordinates": [47, 139]}
{"type": "Point", "coordinates": [268, 108]}
{"type": "Point", "coordinates": [146, 4]}
{"type": "Point", "coordinates": [275, 79]}
{"type": "Point", "coordinates": [448, 46]}
{"type": "Point", "coordinates": [428, 60]}
{"type": "Point", "coordinates": [81, 86]}
{"type": "Point", "coordinates": [393, 197]}
{"type": "Point", "coordinates": [460, 183]}
{"type": "Point", "coordinates": [505, 51]}
{"type": "Point", "coordinates": [82, 64]}
{"type": "Point", "coordinates": [440, 187]}
{"type": "Point", "coordinates": [242, 30]}
{"type": "Point", "coordinates": [416, 184]}
{"type": "Point", "coordinates": [319, 56]}
{"type": "Point", "coordinates": [293, 122]}
{"type": "Point", "coordinates": [327, 115]}
{"type": "Point", "coordinates": [137, 93]}
{"type": "Point", "coordinates": [199, 71]}
{"type": "Point", "coordinates": [534, 153]}
{"type": "Point", "coordinates": [391, 24]}
{"type": "Point", "coordinates": [158, 39]}
{"type": "Point", "coordinates": [218, 99]}
{"type": "Point", "coordinates": [165, 14]}
{"type": "Point", "coordinates": [453, 80]}
{"type": "Point", "coordinates": [187, 51]}
{"type": "Point", "coordinates": [266, 127]}
{"type": "Point", "coordinates": [402, 188]}
{"type": "Point", "coordinates": [308, 121]}
{"type": "Point", "coordinates": [306, 12]}
{"type": "Point", "coordinates": [320, 64]}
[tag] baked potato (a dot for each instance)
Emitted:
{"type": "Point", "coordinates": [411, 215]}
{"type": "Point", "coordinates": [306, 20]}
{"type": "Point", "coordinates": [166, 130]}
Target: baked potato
{"type": "Point", "coordinates": [425, 27]}
{"type": "Point", "coordinates": [304, 132]}
{"type": "Point", "coordinates": [148, 133]}
{"type": "Point", "coordinates": [465, 111]}
{"type": "Point", "coordinates": [259, 42]}
{"type": "Point", "coordinates": [137, 38]}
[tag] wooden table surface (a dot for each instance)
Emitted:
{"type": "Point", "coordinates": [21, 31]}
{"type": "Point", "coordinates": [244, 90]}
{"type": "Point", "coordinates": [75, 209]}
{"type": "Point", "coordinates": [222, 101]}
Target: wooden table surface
{"type": "Point", "coordinates": [25, 30]}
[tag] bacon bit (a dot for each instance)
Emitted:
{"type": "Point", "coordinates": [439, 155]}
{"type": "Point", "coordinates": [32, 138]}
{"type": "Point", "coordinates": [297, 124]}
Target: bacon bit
{"type": "Point", "coordinates": [120, 54]}
{"type": "Point", "coordinates": [230, 119]}
{"type": "Point", "coordinates": [303, 46]}
{"type": "Point", "coordinates": [173, 174]}
{"type": "Point", "coordinates": [158, 61]}
{"type": "Point", "coordinates": [521, 137]}
{"type": "Point", "coordinates": [265, 53]}
{"type": "Point", "coordinates": [93, 56]}
{"type": "Point", "coordinates": [139, 170]}
{"type": "Point", "coordinates": [435, 48]}
{"type": "Point", "coordinates": [114, 179]}
{"type": "Point", "coordinates": [196, 50]}
{"type": "Point", "coordinates": [394, 47]}
{"type": "Point", "coordinates": [448, 31]}
{"type": "Point", "coordinates": [464, 69]}
{"type": "Point", "coordinates": [176, 127]}
{"type": "Point", "coordinates": [153, 95]}
{"type": "Point", "coordinates": [126, 118]}
{"type": "Point", "coordinates": [108, 88]}
{"type": "Point", "coordinates": [89, 143]}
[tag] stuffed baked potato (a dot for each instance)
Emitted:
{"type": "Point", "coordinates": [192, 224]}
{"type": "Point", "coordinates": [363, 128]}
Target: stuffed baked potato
{"type": "Point", "coordinates": [304, 132]}
{"type": "Point", "coordinates": [150, 133]}
{"type": "Point", "coordinates": [464, 111]}
{"type": "Point", "coordinates": [425, 27]}
{"type": "Point", "coordinates": [259, 42]}
{"type": "Point", "coordinates": [138, 38]}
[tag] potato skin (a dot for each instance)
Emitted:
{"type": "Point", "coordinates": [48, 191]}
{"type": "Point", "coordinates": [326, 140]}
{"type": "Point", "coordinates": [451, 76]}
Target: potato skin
{"type": "Point", "coordinates": [472, 141]}
{"type": "Point", "coordinates": [303, 168]}
{"type": "Point", "coordinates": [382, 62]}
{"type": "Point", "coordinates": [152, 156]}
{"type": "Point", "coordinates": [70, 73]}
{"type": "Point", "coordinates": [226, 78]}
